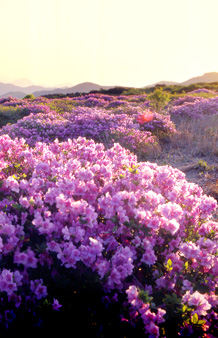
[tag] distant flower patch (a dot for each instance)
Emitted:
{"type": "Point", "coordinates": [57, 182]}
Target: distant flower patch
{"type": "Point", "coordinates": [195, 107]}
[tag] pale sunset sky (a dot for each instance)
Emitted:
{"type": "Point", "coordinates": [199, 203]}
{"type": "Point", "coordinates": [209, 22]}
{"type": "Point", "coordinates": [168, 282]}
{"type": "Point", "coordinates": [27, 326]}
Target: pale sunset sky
{"type": "Point", "coordinates": [109, 42]}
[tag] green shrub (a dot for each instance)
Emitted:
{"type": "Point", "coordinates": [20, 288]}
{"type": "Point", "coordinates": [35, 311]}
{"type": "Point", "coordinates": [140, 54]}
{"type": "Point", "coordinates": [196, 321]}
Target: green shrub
{"type": "Point", "coordinates": [158, 99]}
{"type": "Point", "coordinates": [29, 96]}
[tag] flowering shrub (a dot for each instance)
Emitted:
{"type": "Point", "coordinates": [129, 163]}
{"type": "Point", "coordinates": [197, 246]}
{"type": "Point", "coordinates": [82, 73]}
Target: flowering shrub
{"type": "Point", "coordinates": [202, 90]}
{"type": "Point", "coordinates": [186, 99]}
{"type": "Point", "coordinates": [97, 124]}
{"type": "Point", "coordinates": [39, 128]}
{"type": "Point", "coordinates": [90, 101]}
{"type": "Point", "coordinates": [142, 231]}
{"type": "Point", "coordinates": [103, 118]}
{"type": "Point", "coordinates": [141, 143]}
{"type": "Point", "coordinates": [195, 107]}
{"type": "Point", "coordinates": [160, 125]}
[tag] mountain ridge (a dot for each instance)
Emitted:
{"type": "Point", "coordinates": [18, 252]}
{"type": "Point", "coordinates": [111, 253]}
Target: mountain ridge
{"type": "Point", "coordinates": [10, 88]}
{"type": "Point", "coordinates": [84, 87]}
{"type": "Point", "coordinates": [207, 78]}
{"type": "Point", "coordinates": [19, 92]}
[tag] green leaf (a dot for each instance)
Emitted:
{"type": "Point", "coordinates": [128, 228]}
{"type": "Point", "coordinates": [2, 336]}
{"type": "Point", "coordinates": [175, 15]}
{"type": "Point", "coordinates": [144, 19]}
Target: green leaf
{"type": "Point", "coordinates": [169, 262]}
{"type": "Point", "coordinates": [172, 299]}
{"type": "Point", "coordinates": [83, 221]}
{"type": "Point", "coordinates": [136, 182]}
{"type": "Point", "coordinates": [17, 206]}
{"type": "Point", "coordinates": [184, 308]}
{"type": "Point", "coordinates": [41, 247]}
{"type": "Point", "coordinates": [143, 295]}
{"type": "Point", "coordinates": [201, 322]}
{"type": "Point", "coordinates": [122, 176]}
{"type": "Point", "coordinates": [169, 265]}
{"type": "Point", "coordinates": [194, 319]}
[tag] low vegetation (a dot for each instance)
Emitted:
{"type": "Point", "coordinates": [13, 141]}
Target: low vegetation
{"type": "Point", "coordinates": [99, 230]}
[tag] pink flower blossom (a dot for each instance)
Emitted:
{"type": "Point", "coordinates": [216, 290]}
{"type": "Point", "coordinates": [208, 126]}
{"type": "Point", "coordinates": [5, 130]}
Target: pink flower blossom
{"type": "Point", "coordinates": [198, 301]}
{"type": "Point", "coordinates": [149, 257]}
{"type": "Point", "coordinates": [38, 288]}
{"type": "Point", "coordinates": [190, 250]}
{"type": "Point", "coordinates": [152, 329]}
{"type": "Point", "coordinates": [7, 283]}
{"type": "Point", "coordinates": [171, 210]}
{"type": "Point", "coordinates": [12, 183]}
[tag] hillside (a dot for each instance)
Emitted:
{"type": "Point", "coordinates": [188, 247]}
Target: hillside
{"type": "Point", "coordinates": [207, 77]}
{"type": "Point", "coordinates": [18, 91]}
{"type": "Point", "coordinates": [84, 87]}
{"type": "Point", "coordinates": [17, 94]}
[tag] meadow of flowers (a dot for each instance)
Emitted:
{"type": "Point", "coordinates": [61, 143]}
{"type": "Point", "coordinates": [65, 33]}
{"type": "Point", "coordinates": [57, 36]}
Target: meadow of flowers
{"type": "Point", "coordinates": [80, 214]}
{"type": "Point", "coordinates": [104, 120]}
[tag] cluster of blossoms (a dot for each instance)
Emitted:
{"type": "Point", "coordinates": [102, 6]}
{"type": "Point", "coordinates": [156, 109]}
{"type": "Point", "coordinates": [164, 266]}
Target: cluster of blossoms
{"type": "Point", "coordinates": [100, 115]}
{"type": "Point", "coordinates": [139, 142]}
{"type": "Point", "coordinates": [90, 101]}
{"type": "Point", "coordinates": [146, 233]}
{"type": "Point", "coordinates": [195, 107]}
{"type": "Point", "coordinates": [12, 101]}
{"type": "Point", "coordinates": [99, 124]}
{"type": "Point", "coordinates": [7, 100]}
{"type": "Point", "coordinates": [103, 99]}
{"type": "Point", "coordinates": [81, 122]}
{"type": "Point", "coordinates": [185, 99]}
{"type": "Point", "coordinates": [160, 125]}
{"type": "Point", "coordinates": [202, 90]}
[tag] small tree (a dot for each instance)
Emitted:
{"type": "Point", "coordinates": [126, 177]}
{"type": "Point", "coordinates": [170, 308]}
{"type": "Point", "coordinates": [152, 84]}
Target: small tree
{"type": "Point", "coordinates": [158, 99]}
{"type": "Point", "coordinates": [29, 96]}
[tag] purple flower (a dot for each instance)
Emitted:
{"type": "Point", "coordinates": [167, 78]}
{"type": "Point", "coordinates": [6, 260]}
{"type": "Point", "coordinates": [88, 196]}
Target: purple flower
{"type": "Point", "coordinates": [56, 306]}
{"type": "Point", "coordinates": [198, 301]}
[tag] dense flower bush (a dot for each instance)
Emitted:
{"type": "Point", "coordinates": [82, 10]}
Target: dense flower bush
{"type": "Point", "coordinates": [94, 123]}
{"type": "Point", "coordinates": [144, 233]}
{"type": "Point", "coordinates": [93, 107]}
{"type": "Point", "coordinates": [202, 90]}
{"type": "Point", "coordinates": [195, 107]}
{"type": "Point", "coordinates": [185, 99]}
{"type": "Point", "coordinates": [160, 125]}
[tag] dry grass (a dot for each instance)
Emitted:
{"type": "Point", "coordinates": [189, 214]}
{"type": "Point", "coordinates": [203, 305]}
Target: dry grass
{"type": "Point", "coordinates": [200, 137]}
{"type": "Point", "coordinates": [196, 140]}
{"type": "Point", "coordinates": [194, 150]}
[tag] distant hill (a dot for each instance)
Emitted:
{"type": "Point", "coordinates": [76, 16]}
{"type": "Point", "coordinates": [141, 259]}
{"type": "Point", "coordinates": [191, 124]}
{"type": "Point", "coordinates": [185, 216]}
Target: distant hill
{"type": "Point", "coordinates": [7, 89]}
{"type": "Point", "coordinates": [16, 94]}
{"type": "Point", "coordinates": [19, 92]}
{"type": "Point", "coordinates": [84, 87]}
{"type": "Point", "coordinates": [207, 77]}
{"type": "Point", "coordinates": [167, 83]}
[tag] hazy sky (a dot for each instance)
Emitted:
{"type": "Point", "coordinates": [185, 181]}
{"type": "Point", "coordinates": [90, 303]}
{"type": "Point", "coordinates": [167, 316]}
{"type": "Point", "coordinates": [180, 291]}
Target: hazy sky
{"type": "Point", "coordinates": [109, 42]}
